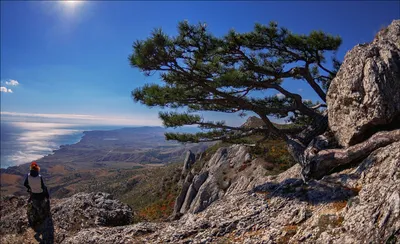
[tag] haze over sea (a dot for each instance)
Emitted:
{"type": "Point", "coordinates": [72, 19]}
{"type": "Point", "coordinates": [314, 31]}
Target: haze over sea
{"type": "Point", "coordinates": [23, 142]}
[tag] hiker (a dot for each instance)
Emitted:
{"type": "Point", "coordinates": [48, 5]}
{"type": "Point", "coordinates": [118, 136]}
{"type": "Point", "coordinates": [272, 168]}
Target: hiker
{"type": "Point", "coordinates": [38, 208]}
{"type": "Point", "coordinates": [34, 183]}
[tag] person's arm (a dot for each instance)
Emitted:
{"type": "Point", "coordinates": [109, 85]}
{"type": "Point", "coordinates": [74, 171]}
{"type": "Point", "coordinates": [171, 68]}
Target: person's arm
{"type": "Point", "coordinates": [26, 183]}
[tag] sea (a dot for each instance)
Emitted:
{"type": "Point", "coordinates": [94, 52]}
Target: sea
{"type": "Point", "coordinates": [24, 142]}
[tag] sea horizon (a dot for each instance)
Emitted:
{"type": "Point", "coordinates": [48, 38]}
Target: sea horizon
{"type": "Point", "coordinates": [24, 142]}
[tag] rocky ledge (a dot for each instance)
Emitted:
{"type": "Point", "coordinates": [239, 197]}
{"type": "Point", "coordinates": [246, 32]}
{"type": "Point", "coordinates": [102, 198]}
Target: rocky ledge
{"type": "Point", "coordinates": [68, 216]}
{"type": "Point", "coordinates": [358, 205]}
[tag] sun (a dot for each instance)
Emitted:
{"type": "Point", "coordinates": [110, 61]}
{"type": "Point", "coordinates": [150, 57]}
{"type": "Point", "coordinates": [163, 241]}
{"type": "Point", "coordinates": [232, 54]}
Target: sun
{"type": "Point", "coordinates": [71, 3]}
{"type": "Point", "coordinates": [70, 7]}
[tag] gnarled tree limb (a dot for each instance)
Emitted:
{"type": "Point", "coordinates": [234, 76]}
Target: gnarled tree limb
{"type": "Point", "coordinates": [324, 161]}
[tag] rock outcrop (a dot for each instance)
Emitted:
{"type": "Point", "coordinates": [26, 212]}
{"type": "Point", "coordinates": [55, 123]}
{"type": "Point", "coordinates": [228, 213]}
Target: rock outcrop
{"type": "Point", "coordinates": [359, 205]}
{"type": "Point", "coordinates": [93, 209]}
{"type": "Point", "coordinates": [185, 182]}
{"type": "Point", "coordinates": [253, 122]}
{"type": "Point", "coordinates": [365, 94]}
{"type": "Point", "coordinates": [188, 162]}
{"type": "Point", "coordinates": [68, 216]}
{"type": "Point", "coordinates": [229, 171]}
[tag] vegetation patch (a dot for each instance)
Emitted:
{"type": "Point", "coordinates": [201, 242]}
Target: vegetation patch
{"type": "Point", "coordinates": [329, 221]}
{"type": "Point", "coordinates": [159, 210]}
{"type": "Point", "coordinates": [289, 231]}
{"type": "Point", "coordinates": [339, 205]}
{"type": "Point", "coordinates": [153, 196]}
{"type": "Point", "coordinates": [355, 189]}
{"type": "Point", "coordinates": [277, 158]}
{"type": "Point", "coordinates": [392, 239]}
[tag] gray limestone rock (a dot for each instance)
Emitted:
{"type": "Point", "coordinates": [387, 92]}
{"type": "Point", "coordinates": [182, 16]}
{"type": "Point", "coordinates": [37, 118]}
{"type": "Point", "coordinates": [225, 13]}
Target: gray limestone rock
{"type": "Point", "coordinates": [188, 162]}
{"type": "Point", "coordinates": [365, 94]}
{"type": "Point", "coordinates": [68, 216]}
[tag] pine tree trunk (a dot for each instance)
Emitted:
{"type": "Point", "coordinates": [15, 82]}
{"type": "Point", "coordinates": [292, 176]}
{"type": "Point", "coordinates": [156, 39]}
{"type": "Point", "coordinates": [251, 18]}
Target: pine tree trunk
{"type": "Point", "coordinates": [317, 161]}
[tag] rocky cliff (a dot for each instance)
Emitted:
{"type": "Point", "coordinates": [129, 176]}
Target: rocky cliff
{"type": "Point", "coordinates": [230, 198]}
{"type": "Point", "coordinates": [359, 205]}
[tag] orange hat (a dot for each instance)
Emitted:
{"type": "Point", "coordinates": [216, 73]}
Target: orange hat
{"type": "Point", "coordinates": [34, 166]}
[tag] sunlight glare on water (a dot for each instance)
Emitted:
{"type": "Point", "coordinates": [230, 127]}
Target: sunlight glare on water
{"type": "Point", "coordinates": [22, 142]}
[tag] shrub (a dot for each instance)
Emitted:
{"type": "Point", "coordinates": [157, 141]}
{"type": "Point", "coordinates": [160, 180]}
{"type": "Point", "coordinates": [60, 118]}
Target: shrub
{"type": "Point", "coordinates": [160, 210]}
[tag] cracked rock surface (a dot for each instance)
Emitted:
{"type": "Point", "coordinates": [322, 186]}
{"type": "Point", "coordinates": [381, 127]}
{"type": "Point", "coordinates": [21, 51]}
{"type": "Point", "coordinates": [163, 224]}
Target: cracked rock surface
{"type": "Point", "coordinates": [365, 93]}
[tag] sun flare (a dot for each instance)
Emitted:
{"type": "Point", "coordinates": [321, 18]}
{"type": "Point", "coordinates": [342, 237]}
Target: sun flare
{"type": "Point", "coordinates": [71, 8]}
{"type": "Point", "coordinates": [71, 3]}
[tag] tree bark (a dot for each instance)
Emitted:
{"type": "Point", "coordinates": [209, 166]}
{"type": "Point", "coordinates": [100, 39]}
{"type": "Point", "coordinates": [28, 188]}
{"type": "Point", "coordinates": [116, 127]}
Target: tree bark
{"type": "Point", "coordinates": [316, 128]}
{"type": "Point", "coordinates": [317, 163]}
{"type": "Point", "coordinates": [297, 144]}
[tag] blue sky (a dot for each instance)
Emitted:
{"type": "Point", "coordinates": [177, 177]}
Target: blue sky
{"type": "Point", "coordinates": [72, 58]}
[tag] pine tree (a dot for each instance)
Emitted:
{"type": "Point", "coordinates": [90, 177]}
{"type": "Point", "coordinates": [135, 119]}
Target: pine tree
{"type": "Point", "coordinates": [230, 74]}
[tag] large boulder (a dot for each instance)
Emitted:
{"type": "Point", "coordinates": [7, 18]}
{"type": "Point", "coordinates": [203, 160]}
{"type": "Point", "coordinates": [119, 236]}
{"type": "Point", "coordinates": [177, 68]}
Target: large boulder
{"type": "Point", "coordinates": [85, 210]}
{"type": "Point", "coordinates": [365, 95]}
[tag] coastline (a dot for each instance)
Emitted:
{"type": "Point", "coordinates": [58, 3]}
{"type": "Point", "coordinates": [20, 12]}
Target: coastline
{"type": "Point", "coordinates": [109, 148]}
{"type": "Point", "coordinates": [45, 155]}
{"type": "Point", "coordinates": [51, 144]}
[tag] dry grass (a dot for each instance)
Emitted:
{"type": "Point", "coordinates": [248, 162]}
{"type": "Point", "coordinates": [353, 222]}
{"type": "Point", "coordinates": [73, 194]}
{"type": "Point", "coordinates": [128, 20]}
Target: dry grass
{"type": "Point", "coordinates": [265, 193]}
{"type": "Point", "coordinates": [57, 169]}
{"type": "Point", "coordinates": [356, 189]}
{"type": "Point", "coordinates": [289, 231]}
{"type": "Point", "coordinates": [232, 237]}
{"type": "Point", "coordinates": [339, 205]}
{"type": "Point", "coordinates": [9, 179]}
{"type": "Point", "coordinates": [160, 210]}
{"type": "Point", "coordinates": [290, 228]}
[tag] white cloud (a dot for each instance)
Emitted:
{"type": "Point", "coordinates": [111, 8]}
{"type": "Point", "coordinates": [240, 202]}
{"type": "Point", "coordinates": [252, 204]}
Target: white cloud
{"type": "Point", "coordinates": [81, 119]}
{"type": "Point", "coordinates": [280, 95]}
{"type": "Point", "coordinates": [307, 100]}
{"type": "Point", "coordinates": [4, 89]}
{"type": "Point", "coordinates": [54, 116]}
{"type": "Point", "coordinates": [12, 83]}
{"type": "Point", "coordinates": [300, 90]}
